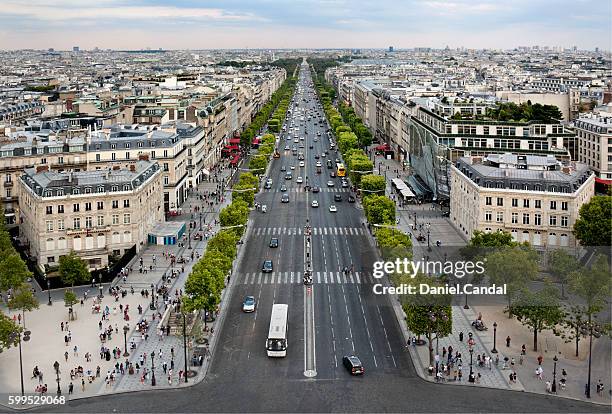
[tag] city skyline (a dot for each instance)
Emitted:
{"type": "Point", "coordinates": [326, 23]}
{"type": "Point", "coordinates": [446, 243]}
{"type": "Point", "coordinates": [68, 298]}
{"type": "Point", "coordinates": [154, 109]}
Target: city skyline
{"type": "Point", "coordinates": [119, 24]}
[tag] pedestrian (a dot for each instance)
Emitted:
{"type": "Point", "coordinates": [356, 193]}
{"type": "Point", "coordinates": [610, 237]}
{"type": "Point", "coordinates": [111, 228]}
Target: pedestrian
{"type": "Point", "coordinates": [62, 326]}
{"type": "Point", "coordinates": [40, 377]}
{"type": "Point", "coordinates": [66, 340]}
{"type": "Point", "coordinates": [66, 356]}
{"type": "Point", "coordinates": [460, 336]}
{"type": "Point", "coordinates": [70, 388]}
{"type": "Point", "coordinates": [508, 341]}
{"type": "Point", "coordinates": [83, 384]}
{"type": "Point", "coordinates": [76, 353]}
{"type": "Point", "coordinates": [540, 359]}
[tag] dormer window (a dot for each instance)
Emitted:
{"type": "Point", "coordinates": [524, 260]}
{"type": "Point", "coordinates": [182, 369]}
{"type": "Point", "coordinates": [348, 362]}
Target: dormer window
{"type": "Point", "coordinates": [87, 190]}
{"type": "Point", "coordinates": [114, 188]}
{"type": "Point", "coordinates": [75, 190]}
{"type": "Point", "coordinates": [126, 187]}
{"type": "Point", "coordinates": [100, 189]}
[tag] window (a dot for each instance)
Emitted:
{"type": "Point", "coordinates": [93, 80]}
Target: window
{"type": "Point", "coordinates": [515, 202]}
{"type": "Point", "coordinates": [100, 205]}
{"type": "Point", "coordinates": [75, 208]}
{"type": "Point", "coordinates": [126, 218]}
{"type": "Point", "coordinates": [60, 224]}
{"type": "Point", "coordinates": [514, 218]}
{"type": "Point", "coordinates": [553, 205]}
{"type": "Point", "coordinates": [127, 145]}
{"type": "Point", "coordinates": [49, 209]}
{"type": "Point", "coordinates": [500, 201]}
{"type": "Point", "coordinates": [50, 259]}
{"type": "Point", "coordinates": [564, 206]}
{"type": "Point", "coordinates": [115, 203]}
{"type": "Point", "coordinates": [43, 160]}
{"type": "Point", "coordinates": [127, 155]}
{"type": "Point", "coordinates": [153, 155]}
{"type": "Point", "coordinates": [488, 216]}
{"type": "Point", "coordinates": [77, 223]}
{"type": "Point", "coordinates": [113, 146]}
{"type": "Point", "coordinates": [564, 221]}
{"type": "Point", "coordinates": [500, 216]}
{"type": "Point", "coordinates": [98, 157]}
{"type": "Point", "coordinates": [166, 180]}
{"type": "Point", "coordinates": [488, 201]}
{"type": "Point", "coordinates": [60, 208]}
{"type": "Point", "coordinates": [88, 206]}
{"type": "Point", "coordinates": [537, 219]}
{"type": "Point", "coordinates": [89, 222]}
{"type": "Point", "coordinates": [126, 203]}
{"type": "Point", "coordinates": [113, 156]}
{"type": "Point", "coordinates": [552, 221]}
{"type": "Point", "coordinates": [525, 218]}
{"type": "Point", "coordinates": [166, 168]}
{"type": "Point", "coordinates": [538, 203]}
{"type": "Point", "coordinates": [49, 225]}
{"type": "Point", "coordinates": [526, 203]}
{"type": "Point", "coordinates": [115, 218]}
{"type": "Point", "coordinates": [100, 221]}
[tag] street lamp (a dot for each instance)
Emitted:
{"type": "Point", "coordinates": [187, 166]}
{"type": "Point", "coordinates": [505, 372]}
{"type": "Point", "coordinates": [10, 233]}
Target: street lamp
{"type": "Point", "coordinates": [153, 382]}
{"type": "Point", "coordinates": [185, 342]}
{"type": "Point", "coordinates": [152, 305]}
{"type": "Point", "coordinates": [435, 318]}
{"type": "Point", "coordinates": [100, 286]}
{"type": "Point", "coordinates": [494, 350]}
{"type": "Point", "coordinates": [553, 387]}
{"type": "Point", "coordinates": [471, 369]}
{"type": "Point", "coordinates": [189, 235]}
{"type": "Point", "coordinates": [591, 326]}
{"type": "Point", "coordinates": [26, 338]}
{"type": "Point", "coordinates": [125, 331]}
{"type": "Point", "coordinates": [49, 303]}
{"type": "Point", "coordinates": [428, 244]}
{"type": "Point", "coordinates": [56, 366]}
{"type": "Point", "coordinates": [200, 221]}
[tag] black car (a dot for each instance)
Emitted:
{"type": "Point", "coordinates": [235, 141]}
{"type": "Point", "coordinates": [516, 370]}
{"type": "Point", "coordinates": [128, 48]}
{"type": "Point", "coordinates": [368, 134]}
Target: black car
{"type": "Point", "coordinates": [337, 197]}
{"type": "Point", "coordinates": [353, 365]}
{"type": "Point", "coordinates": [285, 198]}
{"type": "Point", "coordinates": [273, 242]}
{"type": "Point", "coordinates": [316, 189]}
{"type": "Point", "coordinates": [267, 266]}
{"type": "Point", "coordinates": [351, 198]}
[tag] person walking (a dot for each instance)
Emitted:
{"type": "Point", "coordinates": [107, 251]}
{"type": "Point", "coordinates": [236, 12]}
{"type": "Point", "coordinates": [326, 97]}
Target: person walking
{"type": "Point", "coordinates": [70, 388]}
{"type": "Point", "coordinates": [508, 339]}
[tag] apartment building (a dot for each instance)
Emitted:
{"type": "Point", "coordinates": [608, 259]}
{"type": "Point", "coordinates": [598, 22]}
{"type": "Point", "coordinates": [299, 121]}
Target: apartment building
{"type": "Point", "coordinates": [594, 133]}
{"type": "Point", "coordinates": [535, 198]}
{"type": "Point", "coordinates": [94, 213]}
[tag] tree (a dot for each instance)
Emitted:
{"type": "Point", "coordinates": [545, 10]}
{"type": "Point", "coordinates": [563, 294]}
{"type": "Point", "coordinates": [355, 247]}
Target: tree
{"type": "Point", "coordinates": [538, 311]}
{"type": "Point", "coordinates": [371, 184]}
{"type": "Point", "coordinates": [347, 141]}
{"type": "Point", "coordinates": [258, 165]}
{"type": "Point", "coordinates": [70, 299]}
{"type": "Point", "coordinates": [13, 272]}
{"type": "Point", "coordinates": [574, 319]}
{"type": "Point", "coordinates": [7, 330]}
{"type": "Point", "coordinates": [592, 285]}
{"type": "Point", "coordinates": [73, 269]}
{"type": "Point", "coordinates": [594, 224]}
{"type": "Point", "coordinates": [561, 265]}
{"type": "Point", "coordinates": [244, 192]}
{"type": "Point", "coordinates": [23, 299]}
{"type": "Point", "coordinates": [203, 292]}
{"type": "Point", "coordinates": [236, 214]}
{"type": "Point", "coordinates": [225, 242]}
{"type": "Point", "coordinates": [423, 313]}
{"type": "Point", "coordinates": [513, 267]}
{"type": "Point", "coordinates": [358, 165]}
{"type": "Point", "coordinates": [379, 209]}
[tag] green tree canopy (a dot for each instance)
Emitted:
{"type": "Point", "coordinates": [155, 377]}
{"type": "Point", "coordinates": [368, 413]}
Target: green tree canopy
{"type": "Point", "coordinates": [23, 300]}
{"type": "Point", "coordinates": [561, 265]}
{"type": "Point", "coordinates": [371, 183]}
{"type": "Point", "coordinates": [225, 242]}
{"type": "Point", "coordinates": [13, 272]}
{"type": "Point", "coordinates": [7, 330]}
{"type": "Point", "coordinates": [379, 209]}
{"type": "Point", "coordinates": [73, 269]}
{"type": "Point", "coordinates": [594, 224]}
{"type": "Point", "coordinates": [538, 310]}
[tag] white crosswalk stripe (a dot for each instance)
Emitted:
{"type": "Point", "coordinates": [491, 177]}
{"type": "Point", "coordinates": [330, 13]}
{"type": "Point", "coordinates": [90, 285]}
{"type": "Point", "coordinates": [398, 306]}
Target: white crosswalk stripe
{"type": "Point", "coordinates": [259, 278]}
{"type": "Point", "coordinates": [318, 277]}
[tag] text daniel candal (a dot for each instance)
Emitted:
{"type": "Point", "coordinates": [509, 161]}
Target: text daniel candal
{"type": "Point", "coordinates": [425, 289]}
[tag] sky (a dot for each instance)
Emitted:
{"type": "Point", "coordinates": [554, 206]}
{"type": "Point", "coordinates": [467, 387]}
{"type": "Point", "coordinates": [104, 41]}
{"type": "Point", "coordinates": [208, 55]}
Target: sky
{"type": "Point", "coordinates": [211, 24]}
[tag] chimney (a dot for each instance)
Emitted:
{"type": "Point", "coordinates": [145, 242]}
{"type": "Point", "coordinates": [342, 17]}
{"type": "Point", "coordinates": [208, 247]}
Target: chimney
{"type": "Point", "coordinates": [70, 177]}
{"type": "Point", "coordinates": [132, 168]}
{"type": "Point", "coordinates": [566, 170]}
{"type": "Point", "coordinates": [42, 168]}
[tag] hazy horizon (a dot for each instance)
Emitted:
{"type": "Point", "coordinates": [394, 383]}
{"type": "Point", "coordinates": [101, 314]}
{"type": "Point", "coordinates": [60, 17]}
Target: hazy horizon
{"type": "Point", "coordinates": [312, 24]}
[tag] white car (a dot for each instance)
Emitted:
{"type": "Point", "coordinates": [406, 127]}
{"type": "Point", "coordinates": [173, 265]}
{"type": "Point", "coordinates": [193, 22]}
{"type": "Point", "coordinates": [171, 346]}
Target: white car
{"type": "Point", "coordinates": [300, 180]}
{"type": "Point", "coordinates": [333, 209]}
{"type": "Point", "coordinates": [302, 163]}
{"type": "Point", "coordinates": [314, 203]}
{"type": "Point", "coordinates": [292, 167]}
{"type": "Point", "coordinates": [318, 163]}
{"type": "Point", "coordinates": [330, 183]}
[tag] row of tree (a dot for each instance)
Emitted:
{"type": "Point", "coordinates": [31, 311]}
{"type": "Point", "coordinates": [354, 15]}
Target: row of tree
{"type": "Point", "coordinates": [267, 110]}
{"type": "Point", "coordinates": [209, 275]}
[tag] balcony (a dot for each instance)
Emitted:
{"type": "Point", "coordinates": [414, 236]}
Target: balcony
{"type": "Point", "coordinates": [8, 184]}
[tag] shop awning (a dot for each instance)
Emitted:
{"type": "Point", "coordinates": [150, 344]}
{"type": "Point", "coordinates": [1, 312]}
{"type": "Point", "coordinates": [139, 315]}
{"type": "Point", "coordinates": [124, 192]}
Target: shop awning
{"type": "Point", "coordinates": [383, 147]}
{"type": "Point", "coordinates": [232, 147]}
{"type": "Point", "coordinates": [256, 141]}
{"type": "Point", "coordinates": [603, 181]}
{"type": "Point", "coordinates": [234, 141]}
{"type": "Point", "coordinates": [235, 160]}
{"type": "Point", "coordinates": [399, 184]}
{"type": "Point", "coordinates": [406, 193]}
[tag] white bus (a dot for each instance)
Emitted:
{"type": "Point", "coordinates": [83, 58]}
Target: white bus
{"type": "Point", "coordinates": [276, 344]}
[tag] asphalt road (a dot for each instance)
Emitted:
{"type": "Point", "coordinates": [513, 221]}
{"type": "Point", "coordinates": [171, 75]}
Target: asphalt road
{"type": "Point", "coordinates": [348, 317]}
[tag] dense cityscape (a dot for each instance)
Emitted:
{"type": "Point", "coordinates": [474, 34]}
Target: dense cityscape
{"type": "Point", "coordinates": [391, 229]}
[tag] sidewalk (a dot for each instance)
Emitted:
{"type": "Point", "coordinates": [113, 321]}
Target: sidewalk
{"type": "Point", "coordinates": [549, 345]}
{"type": "Point", "coordinates": [47, 343]}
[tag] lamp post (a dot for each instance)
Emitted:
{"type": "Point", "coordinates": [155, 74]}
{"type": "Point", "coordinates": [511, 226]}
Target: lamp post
{"type": "Point", "coordinates": [189, 235]}
{"type": "Point", "coordinates": [100, 286]}
{"type": "Point", "coordinates": [494, 350]}
{"type": "Point", "coordinates": [435, 318]}
{"type": "Point", "coordinates": [153, 382]}
{"type": "Point", "coordinates": [185, 342]}
{"type": "Point", "coordinates": [553, 387]}
{"type": "Point", "coordinates": [588, 385]}
{"type": "Point", "coordinates": [428, 231]}
{"type": "Point", "coordinates": [56, 366]}
{"type": "Point", "coordinates": [125, 331]}
{"type": "Point", "coordinates": [200, 221]}
{"type": "Point", "coordinates": [26, 338]}
{"type": "Point", "coordinates": [49, 303]}
{"type": "Point", "coordinates": [471, 369]}
{"type": "Point", "coordinates": [152, 305]}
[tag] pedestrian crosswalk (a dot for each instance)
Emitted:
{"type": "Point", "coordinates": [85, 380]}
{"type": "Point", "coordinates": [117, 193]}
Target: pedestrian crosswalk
{"type": "Point", "coordinates": [284, 278]}
{"type": "Point", "coordinates": [316, 231]}
{"type": "Point", "coordinates": [301, 190]}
